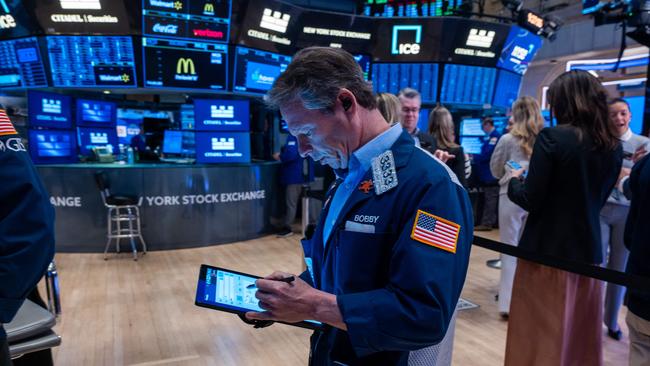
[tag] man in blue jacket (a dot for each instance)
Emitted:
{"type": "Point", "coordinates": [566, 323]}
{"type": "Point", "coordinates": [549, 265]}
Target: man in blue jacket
{"type": "Point", "coordinates": [26, 227]}
{"type": "Point", "coordinates": [485, 178]}
{"type": "Point", "coordinates": [387, 262]}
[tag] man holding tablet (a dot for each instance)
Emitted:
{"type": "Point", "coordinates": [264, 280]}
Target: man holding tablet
{"type": "Point", "coordinates": [388, 260]}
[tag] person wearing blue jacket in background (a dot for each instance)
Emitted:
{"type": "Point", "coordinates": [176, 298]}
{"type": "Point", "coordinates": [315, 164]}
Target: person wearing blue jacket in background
{"type": "Point", "coordinates": [294, 173]}
{"type": "Point", "coordinates": [388, 259]}
{"type": "Point", "coordinates": [26, 227]}
{"type": "Point", "coordinates": [489, 183]}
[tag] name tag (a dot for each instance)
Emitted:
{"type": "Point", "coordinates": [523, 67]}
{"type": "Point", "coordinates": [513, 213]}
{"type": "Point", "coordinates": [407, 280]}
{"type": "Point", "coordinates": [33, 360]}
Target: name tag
{"type": "Point", "coordinates": [359, 228]}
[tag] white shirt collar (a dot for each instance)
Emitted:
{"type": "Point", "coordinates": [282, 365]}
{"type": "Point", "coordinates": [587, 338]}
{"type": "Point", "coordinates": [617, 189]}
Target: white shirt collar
{"type": "Point", "coordinates": [627, 135]}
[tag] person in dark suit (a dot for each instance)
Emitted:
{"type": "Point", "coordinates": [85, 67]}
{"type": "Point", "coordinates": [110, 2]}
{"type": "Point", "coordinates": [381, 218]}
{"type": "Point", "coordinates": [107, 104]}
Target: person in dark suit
{"type": "Point", "coordinates": [573, 168]}
{"type": "Point", "coordinates": [441, 127]}
{"type": "Point", "coordinates": [411, 104]}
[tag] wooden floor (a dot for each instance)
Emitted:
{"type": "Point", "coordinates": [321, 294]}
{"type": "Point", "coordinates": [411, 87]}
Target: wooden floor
{"type": "Point", "coordinates": [121, 312]}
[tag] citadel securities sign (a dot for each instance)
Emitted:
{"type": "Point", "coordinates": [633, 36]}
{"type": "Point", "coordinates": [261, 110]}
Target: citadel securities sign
{"type": "Point", "coordinates": [81, 16]}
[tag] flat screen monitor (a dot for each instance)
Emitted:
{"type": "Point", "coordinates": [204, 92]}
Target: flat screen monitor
{"type": "Point", "coordinates": [364, 62]}
{"type": "Point", "coordinates": [90, 137]}
{"type": "Point", "coordinates": [393, 77]}
{"type": "Point", "coordinates": [129, 122]}
{"type": "Point", "coordinates": [179, 143]}
{"type": "Point", "coordinates": [507, 89]}
{"type": "Point", "coordinates": [221, 115]}
{"type": "Point", "coordinates": [92, 61]}
{"type": "Point", "coordinates": [471, 127]}
{"type": "Point", "coordinates": [256, 71]}
{"type": "Point", "coordinates": [500, 123]}
{"type": "Point", "coordinates": [17, 19]}
{"type": "Point", "coordinates": [49, 110]}
{"type": "Point", "coordinates": [187, 117]}
{"type": "Point", "coordinates": [547, 118]}
{"type": "Point", "coordinates": [190, 19]}
{"type": "Point", "coordinates": [95, 113]}
{"type": "Point", "coordinates": [519, 50]}
{"type": "Point", "coordinates": [82, 16]}
{"type": "Point", "coordinates": [182, 64]}
{"type": "Point", "coordinates": [471, 144]}
{"type": "Point", "coordinates": [592, 6]}
{"type": "Point", "coordinates": [636, 108]}
{"type": "Point", "coordinates": [270, 25]}
{"type": "Point", "coordinates": [21, 64]}
{"type": "Point", "coordinates": [52, 146]}
{"type": "Point", "coordinates": [223, 147]}
{"type": "Point", "coordinates": [463, 84]}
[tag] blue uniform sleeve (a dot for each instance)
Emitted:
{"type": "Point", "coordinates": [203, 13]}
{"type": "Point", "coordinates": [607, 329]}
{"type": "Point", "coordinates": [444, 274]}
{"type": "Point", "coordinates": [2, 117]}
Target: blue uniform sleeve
{"type": "Point", "coordinates": [414, 310]}
{"type": "Point", "coordinates": [289, 151]}
{"type": "Point", "coordinates": [26, 227]}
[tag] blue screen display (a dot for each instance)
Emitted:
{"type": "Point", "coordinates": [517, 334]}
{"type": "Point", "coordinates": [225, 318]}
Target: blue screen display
{"type": "Point", "coordinates": [467, 84]}
{"type": "Point", "coordinates": [393, 77]}
{"type": "Point", "coordinates": [95, 113]}
{"type": "Point", "coordinates": [471, 127]}
{"type": "Point", "coordinates": [92, 61]}
{"type": "Point", "coordinates": [256, 71]}
{"type": "Point", "coordinates": [90, 137]}
{"type": "Point", "coordinates": [21, 65]}
{"type": "Point", "coordinates": [49, 110]}
{"type": "Point", "coordinates": [52, 146]}
{"type": "Point", "coordinates": [192, 19]}
{"type": "Point", "coordinates": [636, 108]}
{"type": "Point", "coordinates": [364, 62]}
{"type": "Point", "coordinates": [519, 50]}
{"type": "Point", "coordinates": [507, 89]}
{"type": "Point", "coordinates": [223, 147]}
{"type": "Point", "coordinates": [221, 115]}
{"type": "Point", "coordinates": [179, 142]}
{"type": "Point", "coordinates": [471, 144]}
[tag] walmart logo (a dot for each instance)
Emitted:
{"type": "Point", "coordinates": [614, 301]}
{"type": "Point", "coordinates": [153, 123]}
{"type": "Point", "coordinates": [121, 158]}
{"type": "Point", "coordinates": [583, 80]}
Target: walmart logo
{"type": "Point", "coordinates": [178, 5]}
{"type": "Point", "coordinates": [126, 78]}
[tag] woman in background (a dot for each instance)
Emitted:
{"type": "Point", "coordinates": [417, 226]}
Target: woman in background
{"type": "Point", "coordinates": [573, 168]}
{"type": "Point", "coordinates": [441, 127]}
{"type": "Point", "coordinates": [389, 106]}
{"type": "Point", "coordinates": [515, 146]}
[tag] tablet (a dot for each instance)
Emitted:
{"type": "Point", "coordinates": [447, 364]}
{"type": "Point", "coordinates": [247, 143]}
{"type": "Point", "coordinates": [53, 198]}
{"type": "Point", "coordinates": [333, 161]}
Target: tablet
{"type": "Point", "coordinates": [227, 290]}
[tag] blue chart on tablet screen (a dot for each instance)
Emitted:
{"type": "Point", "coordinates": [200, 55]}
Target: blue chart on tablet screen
{"type": "Point", "coordinates": [231, 289]}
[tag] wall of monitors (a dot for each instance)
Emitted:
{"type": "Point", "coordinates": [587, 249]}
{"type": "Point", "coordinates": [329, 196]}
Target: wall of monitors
{"type": "Point", "coordinates": [82, 16]}
{"type": "Point", "coordinates": [21, 64]}
{"type": "Point", "coordinates": [393, 77]}
{"type": "Point", "coordinates": [92, 61]}
{"type": "Point", "coordinates": [463, 84]}
{"type": "Point", "coordinates": [188, 19]}
{"type": "Point", "coordinates": [185, 64]}
{"type": "Point", "coordinates": [507, 89]}
{"type": "Point", "coordinates": [221, 115]}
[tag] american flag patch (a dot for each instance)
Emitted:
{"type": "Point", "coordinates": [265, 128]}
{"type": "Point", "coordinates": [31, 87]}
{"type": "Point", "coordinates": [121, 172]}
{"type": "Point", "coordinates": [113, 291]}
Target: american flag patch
{"type": "Point", "coordinates": [435, 231]}
{"type": "Point", "coordinates": [6, 128]}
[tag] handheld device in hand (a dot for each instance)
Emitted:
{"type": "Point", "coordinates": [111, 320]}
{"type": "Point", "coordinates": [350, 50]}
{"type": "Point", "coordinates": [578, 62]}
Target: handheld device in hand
{"type": "Point", "coordinates": [514, 165]}
{"type": "Point", "coordinates": [233, 292]}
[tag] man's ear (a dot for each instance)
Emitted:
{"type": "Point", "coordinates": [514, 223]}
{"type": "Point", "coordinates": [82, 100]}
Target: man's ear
{"type": "Point", "coordinates": [347, 103]}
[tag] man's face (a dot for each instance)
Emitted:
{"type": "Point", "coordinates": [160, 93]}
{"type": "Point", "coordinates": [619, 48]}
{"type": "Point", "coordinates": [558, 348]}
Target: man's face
{"type": "Point", "coordinates": [410, 112]}
{"type": "Point", "coordinates": [323, 137]}
{"type": "Point", "coordinates": [487, 128]}
{"type": "Point", "coordinates": [620, 116]}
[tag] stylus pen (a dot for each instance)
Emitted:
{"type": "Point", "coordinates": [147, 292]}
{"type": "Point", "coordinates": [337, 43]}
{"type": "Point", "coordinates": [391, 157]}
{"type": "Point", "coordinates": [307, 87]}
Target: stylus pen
{"type": "Point", "coordinates": [286, 279]}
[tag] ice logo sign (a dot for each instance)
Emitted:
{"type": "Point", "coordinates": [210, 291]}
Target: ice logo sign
{"type": "Point", "coordinates": [410, 46]}
{"type": "Point", "coordinates": [7, 21]}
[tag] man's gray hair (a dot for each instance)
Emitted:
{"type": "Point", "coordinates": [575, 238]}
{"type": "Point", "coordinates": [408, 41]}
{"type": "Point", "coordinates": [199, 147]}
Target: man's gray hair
{"type": "Point", "coordinates": [409, 93]}
{"type": "Point", "coordinates": [315, 77]}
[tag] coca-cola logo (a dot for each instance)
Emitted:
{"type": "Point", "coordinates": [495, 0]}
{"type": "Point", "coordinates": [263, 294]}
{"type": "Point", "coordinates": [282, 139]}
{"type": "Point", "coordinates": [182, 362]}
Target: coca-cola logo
{"type": "Point", "coordinates": [165, 28]}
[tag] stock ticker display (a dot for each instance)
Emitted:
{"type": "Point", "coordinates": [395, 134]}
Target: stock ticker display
{"type": "Point", "coordinates": [256, 71]}
{"type": "Point", "coordinates": [393, 77]}
{"type": "Point", "coordinates": [410, 8]}
{"type": "Point", "coordinates": [185, 64]}
{"type": "Point", "coordinates": [21, 65]}
{"type": "Point", "coordinates": [187, 19]}
{"type": "Point", "coordinates": [92, 61]}
{"type": "Point", "coordinates": [507, 89]}
{"type": "Point", "coordinates": [463, 84]}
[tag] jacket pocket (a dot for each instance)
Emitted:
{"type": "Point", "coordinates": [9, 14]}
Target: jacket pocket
{"type": "Point", "coordinates": [361, 260]}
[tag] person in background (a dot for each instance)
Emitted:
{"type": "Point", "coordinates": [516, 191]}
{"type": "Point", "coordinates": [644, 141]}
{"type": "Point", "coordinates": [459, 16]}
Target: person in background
{"type": "Point", "coordinates": [515, 146]}
{"type": "Point", "coordinates": [295, 172]}
{"type": "Point", "coordinates": [390, 107]}
{"type": "Point", "coordinates": [614, 214]}
{"type": "Point", "coordinates": [26, 228]}
{"type": "Point", "coordinates": [572, 171]}
{"type": "Point", "coordinates": [487, 181]}
{"type": "Point", "coordinates": [441, 127]}
{"type": "Point", "coordinates": [411, 102]}
{"type": "Point", "coordinates": [386, 290]}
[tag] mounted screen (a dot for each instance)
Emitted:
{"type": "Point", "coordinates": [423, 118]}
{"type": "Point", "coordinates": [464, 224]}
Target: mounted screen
{"type": "Point", "coordinates": [507, 89]}
{"type": "Point", "coordinates": [391, 78]}
{"type": "Point", "coordinates": [49, 110]}
{"type": "Point", "coordinates": [519, 50]}
{"type": "Point", "coordinates": [470, 85]}
{"type": "Point", "coordinates": [256, 71]}
{"type": "Point", "coordinates": [82, 16]}
{"type": "Point", "coordinates": [189, 19]}
{"type": "Point", "coordinates": [221, 115]}
{"type": "Point", "coordinates": [223, 147]}
{"type": "Point", "coordinates": [21, 64]}
{"type": "Point", "coordinates": [52, 146]}
{"type": "Point", "coordinates": [95, 113]}
{"type": "Point", "coordinates": [90, 137]}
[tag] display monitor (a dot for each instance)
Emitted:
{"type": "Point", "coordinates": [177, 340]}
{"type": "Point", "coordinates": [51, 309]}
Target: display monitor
{"type": "Point", "coordinates": [393, 77]}
{"type": "Point", "coordinates": [519, 50]}
{"type": "Point", "coordinates": [270, 25]}
{"type": "Point", "coordinates": [17, 19]}
{"type": "Point", "coordinates": [129, 122]}
{"type": "Point", "coordinates": [547, 118]}
{"type": "Point", "coordinates": [185, 64]}
{"type": "Point", "coordinates": [636, 108]}
{"type": "Point", "coordinates": [470, 85]}
{"type": "Point", "coordinates": [52, 146]}
{"type": "Point", "coordinates": [82, 16]}
{"type": "Point", "coordinates": [221, 115]}
{"type": "Point", "coordinates": [49, 110]}
{"type": "Point", "coordinates": [21, 64]}
{"type": "Point", "coordinates": [179, 143]}
{"type": "Point", "coordinates": [92, 61]}
{"type": "Point", "coordinates": [408, 8]}
{"type": "Point", "coordinates": [223, 147]}
{"type": "Point", "coordinates": [471, 127]}
{"type": "Point", "coordinates": [187, 117]}
{"type": "Point", "coordinates": [471, 144]}
{"type": "Point", "coordinates": [500, 123]}
{"type": "Point", "coordinates": [189, 19]}
{"type": "Point", "coordinates": [95, 113]}
{"type": "Point", "coordinates": [507, 89]}
{"type": "Point", "coordinates": [364, 62]}
{"type": "Point", "coordinates": [472, 42]}
{"type": "Point", "coordinates": [256, 71]}
{"type": "Point", "coordinates": [89, 137]}
{"type": "Point", "coordinates": [350, 32]}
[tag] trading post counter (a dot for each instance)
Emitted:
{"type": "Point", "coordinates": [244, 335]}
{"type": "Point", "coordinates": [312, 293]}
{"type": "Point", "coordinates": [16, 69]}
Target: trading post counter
{"type": "Point", "coordinates": [182, 206]}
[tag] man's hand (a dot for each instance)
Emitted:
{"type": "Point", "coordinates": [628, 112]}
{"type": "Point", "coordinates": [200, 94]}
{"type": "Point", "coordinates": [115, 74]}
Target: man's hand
{"type": "Point", "coordinates": [294, 302]}
{"type": "Point", "coordinates": [624, 173]}
{"type": "Point", "coordinates": [443, 155]}
{"type": "Point", "coordinates": [639, 153]}
{"type": "Point", "coordinates": [276, 156]}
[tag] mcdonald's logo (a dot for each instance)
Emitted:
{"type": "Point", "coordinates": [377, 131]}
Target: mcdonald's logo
{"type": "Point", "coordinates": [186, 65]}
{"type": "Point", "coordinates": [208, 9]}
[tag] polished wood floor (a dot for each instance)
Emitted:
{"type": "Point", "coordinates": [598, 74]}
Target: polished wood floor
{"type": "Point", "coordinates": [121, 312]}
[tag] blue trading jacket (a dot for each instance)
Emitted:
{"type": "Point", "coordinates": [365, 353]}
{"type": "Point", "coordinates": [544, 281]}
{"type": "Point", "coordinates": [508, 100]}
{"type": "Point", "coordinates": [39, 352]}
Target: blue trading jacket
{"type": "Point", "coordinates": [482, 160]}
{"type": "Point", "coordinates": [396, 294]}
{"type": "Point", "coordinates": [292, 164]}
{"type": "Point", "coordinates": [26, 227]}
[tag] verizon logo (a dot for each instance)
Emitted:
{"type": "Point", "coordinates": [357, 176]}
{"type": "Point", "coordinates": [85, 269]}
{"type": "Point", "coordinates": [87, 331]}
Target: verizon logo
{"type": "Point", "coordinates": [207, 33]}
{"type": "Point", "coordinates": [275, 20]}
{"type": "Point", "coordinates": [81, 4]}
{"type": "Point", "coordinates": [480, 38]}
